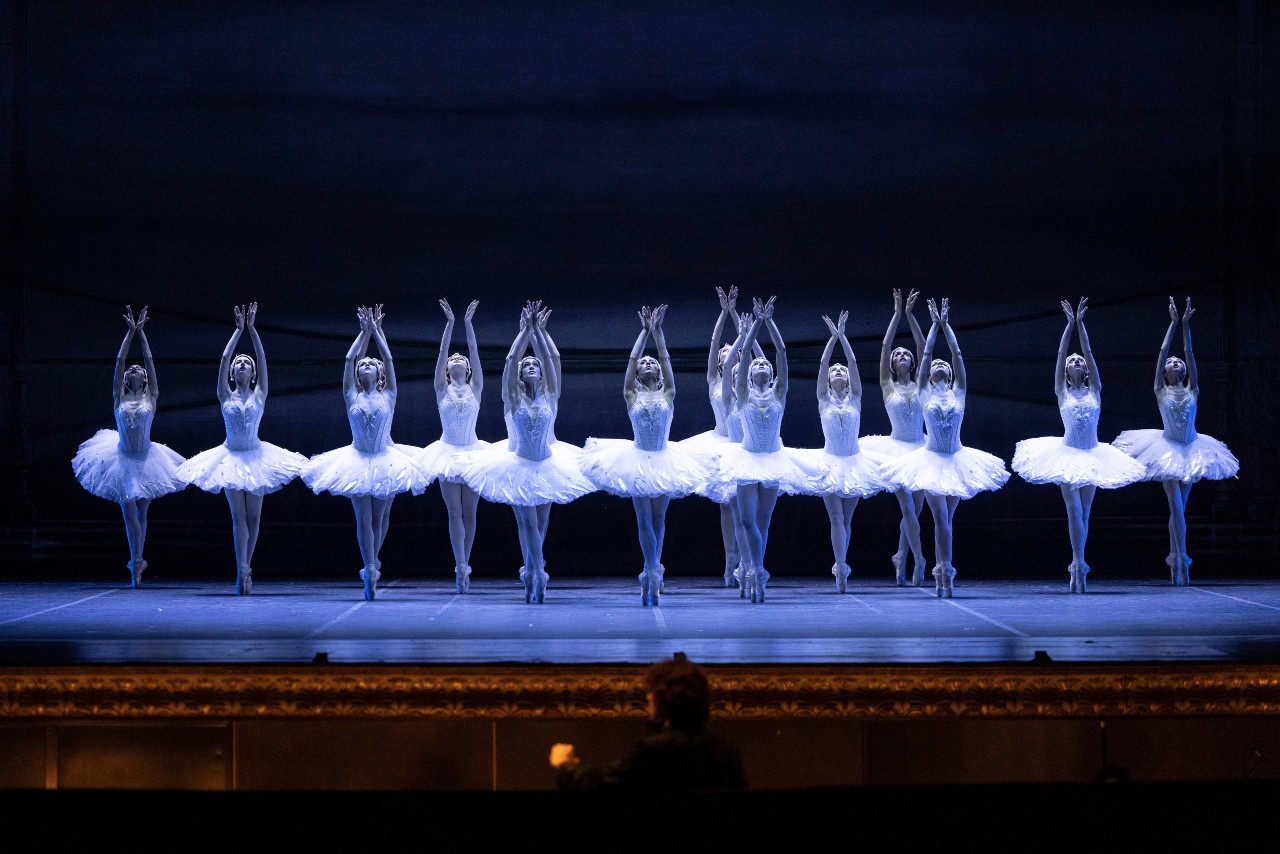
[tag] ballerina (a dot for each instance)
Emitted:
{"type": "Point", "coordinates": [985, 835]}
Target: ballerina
{"type": "Point", "coordinates": [649, 470]}
{"type": "Point", "coordinates": [373, 469]}
{"type": "Point", "coordinates": [459, 383]}
{"type": "Point", "coordinates": [902, 402]}
{"type": "Point", "coordinates": [760, 468]}
{"type": "Point", "coordinates": [538, 471]}
{"type": "Point", "coordinates": [944, 469]}
{"type": "Point", "coordinates": [1178, 456]}
{"type": "Point", "coordinates": [707, 446]}
{"type": "Point", "coordinates": [124, 465]}
{"type": "Point", "coordinates": [243, 467]}
{"type": "Point", "coordinates": [1077, 462]}
{"type": "Point", "coordinates": [850, 472]}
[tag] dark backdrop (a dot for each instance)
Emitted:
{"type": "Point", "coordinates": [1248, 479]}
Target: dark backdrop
{"type": "Point", "coordinates": [314, 156]}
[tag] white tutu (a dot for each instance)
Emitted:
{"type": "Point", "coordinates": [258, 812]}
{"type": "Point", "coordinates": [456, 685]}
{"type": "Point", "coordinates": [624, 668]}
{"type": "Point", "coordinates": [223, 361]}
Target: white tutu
{"type": "Point", "coordinates": [501, 476]}
{"type": "Point", "coordinates": [1202, 457]}
{"type": "Point", "coordinates": [887, 446]}
{"type": "Point", "coordinates": [348, 472]}
{"type": "Point", "coordinates": [962, 474]}
{"type": "Point", "coordinates": [1048, 459]}
{"type": "Point", "coordinates": [260, 470]}
{"type": "Point", "coordinates": [785, 469]}
{"type": "Point", "coordinates": [856, 475]}
{"type": "Point", "coordinates": [706, 448]}
{"type": "Point", "coordinates": [619, 468]}
{"type": "Point", "coordinates": [110, 473]}
{"type": "Point", "coordinates": [447, 462]}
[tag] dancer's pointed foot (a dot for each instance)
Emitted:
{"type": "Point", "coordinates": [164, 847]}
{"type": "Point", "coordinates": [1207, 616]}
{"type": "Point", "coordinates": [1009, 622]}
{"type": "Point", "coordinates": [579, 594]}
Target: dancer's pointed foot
{"type": "Point", "coordinates": [743, 576]}
{"type": "Point", "coordinates": [841, 572]}
{"type": "Point", "coordinates": [244, 580]}
{"type": "Point", "coordinates": [899, 569]}
{"type": "Point", "coordinates": [377, 573]}
{"type": "Point", "coordinates": [730, 574]}
{"type": "Point", "coordinates": [650, 586]}
{"type": "Point", "coordinates": [943, 573]}
{"type": "Point", "coordinates": [462, 578]}
{"type": "Point", "coordinates": [662, 578]}
{"type": "Point", "coordinates": [537, 587]}
{"type": "Point", "coordinates": [370, 576]}
{"type": "Point", "coordinates": [917, 571]}
{"type": "Point", "coordinates": [1078, 571]}
{"type": "Point", "coordinates": [1182, 571]}
{"type": "Point", "coordinates": [136, 568]}
{"type": "Point", "coordinates": [759, 579]}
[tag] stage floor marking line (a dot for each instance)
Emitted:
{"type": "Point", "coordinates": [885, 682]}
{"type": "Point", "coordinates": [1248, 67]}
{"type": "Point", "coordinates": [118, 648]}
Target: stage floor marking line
{"type": "Point", "coordinates": [445, 606]}
{"type": "Point", "coordinates": [55, 608]}
{"type": "Point", "coordinates": [980, 616]}
{"type": "Point", "coordinates": [1236, 598]}
{"type": "Point", "coordinates": [866, 605]}
{"type": "Point", "coordinates": [662, 623]}
{"type": "Point", "coordinates": [349, 611]}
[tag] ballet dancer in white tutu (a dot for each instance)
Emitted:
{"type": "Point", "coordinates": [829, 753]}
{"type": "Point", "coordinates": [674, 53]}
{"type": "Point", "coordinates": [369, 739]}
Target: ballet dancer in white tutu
{"type": "Point", "coordinates": [538, 471]}
{"type": "Point", "coordinates": [1077, 461]}
{"type": "Point", "coordinates": [1178, 456]}
{"type": "Point", "coordinates": [243, 467]}
{"type": "Point", "coordinates": [373, 469]}
{"type": "Point", "coordinates": [649, 469]}
{"type": "Point", "coordinates": [124, 465]}
{"type": "Point", "coordinates": [946, 471]}
{"type": "Point", "coordinates": [760, 467]}
{"type": "Point", "coordinates": [459, 383]}
{"type": "Point", "coordinates": [849, 472]}
{"type": "Point", "coordinates": [707, 446]}
{"type": "Point", "coordinates": [902, 401]}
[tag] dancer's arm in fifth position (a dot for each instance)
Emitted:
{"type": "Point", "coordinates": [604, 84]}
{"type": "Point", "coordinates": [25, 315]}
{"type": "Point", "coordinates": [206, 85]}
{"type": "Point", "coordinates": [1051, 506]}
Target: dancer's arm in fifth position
{"type": "Point", "coordinates": [926, 355]}
{"type": "Point", "coordinates": [117, 388]}
{"type": "Point", "coordinates": [728, 385]}
{"type": "Point", "coordinates": [1060, 366]}
{"type": "Point", "coordinates": [781, 377]}
{"type": "Point", "coordinates": [1164, 348]}
{"type": "Point", "coordinates": [656, 317]}
{"type": "Point", "coordinates": [250, 322]}
{"type": "Point", "coordinates": [1090, 364]}
{"type": "Point", "coordinates": [637, 349]}
{"type": "Point", "coordinates": [959, 378]}
{"type": "Point", "coordinates": [748, 340]}
{"type": "Point", "coordinates": [355, 353]}
{"type": "Point", "coordinates": [1193, 376]}
{"type": "Point", "coordinates": [542, 349]}
{"type": "Point", "coordinates": [385, 351]}
{"type": "Point", "coordinates": [511, 367]}
{"type": "Point", "coordinates": [442, 360]}
{"type": "Point", "coordinates": [473, 350]}
{"type": "Point", "coordinates": [224, 366]}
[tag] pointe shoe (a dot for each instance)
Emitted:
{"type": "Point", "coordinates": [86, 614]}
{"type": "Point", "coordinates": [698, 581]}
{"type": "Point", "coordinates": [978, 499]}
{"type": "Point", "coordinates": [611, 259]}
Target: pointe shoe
{"type": "Point", "coordinates": [526, 580]}
{"type": "Point", "coordinates": [462, 578]}
{"type": "Point", "coordinates": [1182, 571]}
{"type": "Point", "coordinates": [650, 587]}
{"type": "Point", "coordinates": [370, 582]}
{"type": "Point", "coordinates": [730, 575]}
{"type": "Point", "coordinates": [760, 578]}
{"type": "Point", "coordinates": [943, 573]}
{"type": "Point", "coordinates": [899, 569]}
{"type": "Point", "coordinates": [917, 572]}
{"type": "Point", "coordinates": [662, 578]}
{"type": "Point", "coordinates": [1077, 572]}
{"type": "Point", "coordinates": [1171, 561]}
{"type": "Point", "coordinates": [135, 572]}
{"type": "Point", "coordinates": [538, 588]}
{"type": "Point", "coordinates": [841, 572]}
{"type": "Point", "coordinates": [377, 574]}
{"type": "Point", "coordinates": [744, 577]}
{"type": "Point", "coordinates": [244, 581]}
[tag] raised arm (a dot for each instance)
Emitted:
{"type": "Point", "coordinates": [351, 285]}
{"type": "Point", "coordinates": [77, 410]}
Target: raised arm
{"type": "Point", "coordinates": [1090, 364]}
{"type": "Point", "coordinates": [960, 379]}
{"type": "Point", "coordinates": [658, 315]}
{"type": "Point", "coordinates": [542, 349]}
{"type": "Point", "coordinates": [259, 354]}
{"type": "Point", "coordinates": [153, 381]}
{"type": "Point", "coordinates": [916, 335]}
{"type": "Point", "coordinates": [1193, 376]}
{"type": "Point", "coordinates": [510, 367]}
{"type": "Point", "coordinates": [728, 388]}
{"type": "Point", "coordinates": [1165, 345]}
{"type": "Point", "coordinates": [713, 354]}
{"type": "Point", "coordinates": [542, 316]}
{"type": "Point", "coordinates": [926, 355]}
{"type": "Point", "coordinates": [123, 356]}
{"type": "Point", "coordinates": [824, 363]}
{"type": "Point", "coordinates": [629, 378]}
{"type": "Point", "coordinates": [886, 347]}
{"type": "Point", "coordinates": [748, 342]}
{"type": "Point", "coordinates": [473, 349]}
{"type": "Point", "coordinates": [781, 378]}
{"type": "Point", "coordinates": [442, 360]}
{"type": "Point", "coordinates": [855, 381]}
{"type": "Point", "coordinates": [380, 337]}
{"type": "Point", "coordinates": [355, 353]}
{"type": "Point", "coordinates": [224, 366]}
{"type": "Point", "coordinates": [1060, 367]}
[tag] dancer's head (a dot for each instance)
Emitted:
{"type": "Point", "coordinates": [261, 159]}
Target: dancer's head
{"type": "Point", "coordinates": [722, 355]}
{"type": "Point", "coordinates": [1076, 370]}
{"type": "Point", "coordinates": [531, 370]}
{"type": "Point", "coordinates": [135, 379]}
{"type": "Point", "coordinates": [678, 693]}
{"type": "Point", "coordinates": [371, 374]}
{"type": "Point", "coordinates": [940, 372]}
{"type": "Point", "coordinates": [1175, 371]}
{"type": "Point", "coordinates": [648, 372]}
{"type": "Point", "coordinates": [902, 364]}
{"type": "Point", "coordinates": [838, 378]}
{"type": "Point", "coordinates": [458, 368]}
{"type": "Point", "coordinates": [761, 371]}
{"type": "Point", "coordinates": [243, 372]}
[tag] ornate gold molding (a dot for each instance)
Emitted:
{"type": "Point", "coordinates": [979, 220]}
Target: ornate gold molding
{"type": "Point", "coordinates": [307, 692]}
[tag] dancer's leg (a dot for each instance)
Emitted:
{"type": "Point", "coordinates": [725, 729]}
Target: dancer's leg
{"type": "Point", "coordinates": [942, 509]}
{"type": "Point", "coordinates": [253, 520]}
{"type": "Point", "coordinates": [134, 534]}
{"type": "Point", "coordinates": [531, 538]}
{"type": "Point", "coordinates": [452, 494]}
{"type": "Point", "coordinates": [910, 504]}
{"type": "Point", "coordinates": [239, 533]}
{"type": "Point", "coordinates": [367, 538]}
{"type": "Point", "coordinates": [729, 536]}
{"type": "Point", "coordinates": [1072, 498]}
{"type": "Point", "coordinates": [646, 529]}
{"type": "Point", "coordinates": [839, 539]}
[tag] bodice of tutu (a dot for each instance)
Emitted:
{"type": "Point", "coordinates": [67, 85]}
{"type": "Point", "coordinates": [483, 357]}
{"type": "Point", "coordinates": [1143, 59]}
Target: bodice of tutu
{"type": "Point", "coordinates": [651, 421]}
{"type": "Point", "coordinates": [840, 425]}
{"type": "Point", "coordinates": [733, 427]}
{"type": "Point", "coordinates": [532, 424]}
{"type": "Point", "coordinates": [370, 418]}
{"type": "Point", "coordinates": [943, 415]}
{"type": "Point", "coordinates": [1178, 412]}
{"type": "Point", "coordinates": [905, 416]}
{"type": "Point", "coordinates": [134, 426]}
{"type": "Point", "coordinates": [458, 417]}
{"type": "Point", "coordinates": [241, 416]}
{"type": "Point", "coordinates": [1080, 420]}
{"type": "Point", "coordinates": [761, 426]}
{"type": "Point", "coordinates": [717, 409]}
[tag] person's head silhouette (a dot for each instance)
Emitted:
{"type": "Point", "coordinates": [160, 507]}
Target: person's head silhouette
{"type": "Point", "coordinates": [678, 694]}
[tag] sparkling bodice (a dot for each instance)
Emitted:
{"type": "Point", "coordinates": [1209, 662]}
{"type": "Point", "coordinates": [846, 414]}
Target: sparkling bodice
{"type": "Point", "coordinates": [716, 393]}
{"type": "Point", "coordinates": [133, 423]}
{"type": "Point", "coordinates": [1178, 412]}
{"type": "Point", "coordinates": [761, 426]}
{"type": "Point", "coordinates": [650, 421]}
{"type": "Point", "coordinates": [1079, 419]}
{"type": "Point", "coordinates": [370, 418]}
{"type": "Point", "coordinates": [241, 416]}
{"type": "Point", "coordinates": [531, 428]}
{"type": "Point", "coordinates": [840, 425]}
{"type": "Point", "coordinates": [905, 416]}
{"type": "Point", "coordinates": [458, 416]}
{"type": "Point", "coordinates": [943, 415]}
{"type": "Point", "coordinates": [733, 426]}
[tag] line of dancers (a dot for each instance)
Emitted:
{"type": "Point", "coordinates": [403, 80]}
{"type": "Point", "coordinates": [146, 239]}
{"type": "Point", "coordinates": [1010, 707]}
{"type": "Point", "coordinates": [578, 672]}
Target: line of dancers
{"type": "Point", "coordinates": [741, 463]}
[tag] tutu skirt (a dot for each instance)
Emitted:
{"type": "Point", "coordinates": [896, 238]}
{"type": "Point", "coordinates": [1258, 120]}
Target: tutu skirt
{"type": "Point", "coordinates": [348, 472]}
{"type": "Point", "coordinates": [503, 477]}
{"type": "Point", "coordinates": [786, 469]}
{"type": "Point", "coordinates": [619, 468]}
{"type": "Point", "coordinates": [446, 462]}
{"type": "Point", "coordinates": [1049, 460]}
{"type": "Point", "coordinates": [962, 474]}
{"type": "Point", "coordinates": [259, 470]}
{"type": "Point", "coordinates": [853, 476]}
{"type": "Point", "coordinates": [887, 446]}
{"type": "Point", "coordinates": [1204, 457]}
{"type": "Point", "coordinates": [110, 473]}
{"type": "Point", "coordinates": [707, 447]}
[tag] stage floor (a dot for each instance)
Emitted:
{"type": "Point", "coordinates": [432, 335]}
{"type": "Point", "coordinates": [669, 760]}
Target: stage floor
{"type": "Point", "coordinates": [600, 620]}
